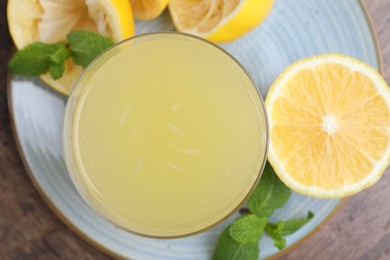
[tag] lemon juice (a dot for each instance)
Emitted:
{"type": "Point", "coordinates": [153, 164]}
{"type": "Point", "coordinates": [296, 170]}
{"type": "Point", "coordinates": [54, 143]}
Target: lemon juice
{"type": "Point", "coordinates": [165, 135]}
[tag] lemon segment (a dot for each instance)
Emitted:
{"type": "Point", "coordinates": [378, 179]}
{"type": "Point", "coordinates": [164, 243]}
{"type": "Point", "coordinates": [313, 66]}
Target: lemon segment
{"type": "Point", "coordinates": [219, 20]}
{"type": "Point", "coordinates": [148, 9]}
{"type": "Point", "coordinates": [50, 21]}
{"type": "Point", "coordinates": [329, 118]}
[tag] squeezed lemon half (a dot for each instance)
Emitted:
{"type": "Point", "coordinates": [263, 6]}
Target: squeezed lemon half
{"type": "Point", "coordinates": [218, 20]}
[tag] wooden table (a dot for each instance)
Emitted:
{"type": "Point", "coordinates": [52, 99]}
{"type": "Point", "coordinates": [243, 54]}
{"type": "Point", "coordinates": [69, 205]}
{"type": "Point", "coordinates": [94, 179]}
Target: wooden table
{"type": "Point", "coordinates": [29, 229]}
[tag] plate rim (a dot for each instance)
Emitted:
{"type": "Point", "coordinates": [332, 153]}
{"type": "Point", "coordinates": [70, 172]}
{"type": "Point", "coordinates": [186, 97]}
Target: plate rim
{"type": "Point", "coordinates": [90, 240]}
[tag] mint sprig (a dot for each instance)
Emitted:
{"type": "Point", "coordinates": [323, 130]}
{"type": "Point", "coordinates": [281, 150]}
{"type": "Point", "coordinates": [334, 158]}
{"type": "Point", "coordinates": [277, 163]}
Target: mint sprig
{"type": "Point", "coordinates": [239, 241]}
{"type": "Point", "coordinates": [283, 228]}
{"type": "Point", "coordinates": [39, 58]}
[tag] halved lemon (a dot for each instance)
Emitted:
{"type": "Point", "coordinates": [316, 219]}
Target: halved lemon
{"type": "Point", "coordinates": [50, 21]}
{"type": "Point", "coordinates": [329, 118]}
{"type": "Point", "coordinates": [218, 20]}
{"type": "Point", "coordinates": [148, 9]}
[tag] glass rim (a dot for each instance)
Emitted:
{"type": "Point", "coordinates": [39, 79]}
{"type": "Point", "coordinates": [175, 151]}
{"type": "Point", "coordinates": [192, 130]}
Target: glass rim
{"type": "Point", "coordinates": [68, 126]}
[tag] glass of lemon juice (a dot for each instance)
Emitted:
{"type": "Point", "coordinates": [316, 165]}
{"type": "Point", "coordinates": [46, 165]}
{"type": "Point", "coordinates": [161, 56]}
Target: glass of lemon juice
{"type": "Point", "coordinates": [165, 135]}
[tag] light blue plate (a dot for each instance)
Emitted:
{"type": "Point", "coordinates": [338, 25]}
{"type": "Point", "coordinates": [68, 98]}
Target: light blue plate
{"type": "Point", "coordinates": [294, 30]}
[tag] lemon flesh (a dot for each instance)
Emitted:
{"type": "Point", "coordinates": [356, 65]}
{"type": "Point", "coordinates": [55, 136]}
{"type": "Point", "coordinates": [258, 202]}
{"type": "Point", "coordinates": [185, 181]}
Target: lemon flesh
{"type": "Point", "coordinates": [329, 121]}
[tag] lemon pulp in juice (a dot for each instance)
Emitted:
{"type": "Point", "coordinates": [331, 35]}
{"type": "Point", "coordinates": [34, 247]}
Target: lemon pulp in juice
{"type": "Point", "coordinates": [168, 135]}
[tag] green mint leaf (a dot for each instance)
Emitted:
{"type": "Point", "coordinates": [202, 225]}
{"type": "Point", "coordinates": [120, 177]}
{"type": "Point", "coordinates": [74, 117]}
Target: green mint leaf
{"type": "Point", "coordinates": [58, 58]}
{"type": "Point", "coordinates": [61, 54]}
{"type": "Point", "coordinates": [57, 70]}
{"type": "Point", "coordinates": [38, 58]}
{"type": "Point", "coordinates": [282, 228]}
{"type": "Point", "coordinates": [86, 46]}
{"type": "Point", "coordinates": [229, 249]}
{"type": "Point", "coordinates": [274, 231]}
{"type": "Point", "coordinates": [248, 229]}
{"type": "Point", "coordinates": [34, 59]}
{"type": "Point", "coordinates": [280, 242]}
{"type": "Point", "coordinates": [290, 226]}
{"type": "Point", "coordinates": [269, 194]}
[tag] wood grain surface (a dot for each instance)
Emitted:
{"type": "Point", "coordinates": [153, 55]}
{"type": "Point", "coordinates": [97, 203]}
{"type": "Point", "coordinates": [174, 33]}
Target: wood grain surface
{"type": "Point", "coordinates": [29, 229]}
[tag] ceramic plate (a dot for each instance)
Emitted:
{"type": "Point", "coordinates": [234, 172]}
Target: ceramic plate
{"type": "Point", "coordinates": [294, 30]}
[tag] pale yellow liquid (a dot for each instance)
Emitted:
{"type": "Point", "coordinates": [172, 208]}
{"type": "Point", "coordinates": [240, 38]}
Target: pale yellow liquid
{"type": "Point", "coordinates": [168, 136]}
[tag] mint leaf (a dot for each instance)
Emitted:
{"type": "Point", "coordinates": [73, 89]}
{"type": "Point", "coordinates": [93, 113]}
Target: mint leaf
{"type": "Point", "coordinates": [248, 229]}
{"type": "Point", "coordinates": [85, 46]}
{"type": "Point", "coordinates": [279, 242]}
{"type": "Point", "coordinates": [34, 60]}
{"type": "Point", "coordinates": [58, 58]}
{"type": "Point", "coordinates": [290, 226]}
{"type": "Point", "coordinates": [229, 249]}
{"type": "Point", "coordinates": [57, 70]}
{"type": "Point", "coordinates": [269, 194]}
{"type": "Point", "coordinates": [282, 228]}
{"type": "Point", "coordinates": [61, 54]}
{"type": "Point", "coordinates": [274, 231]}
{"type": "Point", "coordinates": [38, 58]}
